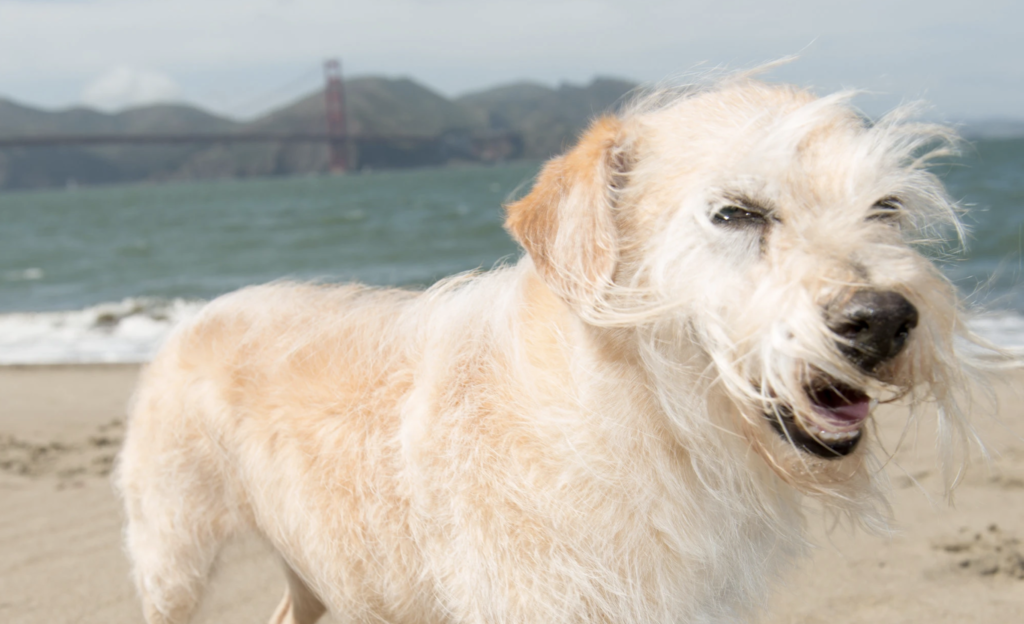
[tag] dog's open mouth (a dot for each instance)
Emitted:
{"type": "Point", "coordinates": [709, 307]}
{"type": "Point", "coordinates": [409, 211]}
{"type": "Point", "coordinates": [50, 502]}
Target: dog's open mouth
{"type": "Point", "coordinates": [841, 411]}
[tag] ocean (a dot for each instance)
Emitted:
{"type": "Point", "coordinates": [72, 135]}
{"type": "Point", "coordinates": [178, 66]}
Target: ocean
{"type": "Point", "coordinates": [101, 274]}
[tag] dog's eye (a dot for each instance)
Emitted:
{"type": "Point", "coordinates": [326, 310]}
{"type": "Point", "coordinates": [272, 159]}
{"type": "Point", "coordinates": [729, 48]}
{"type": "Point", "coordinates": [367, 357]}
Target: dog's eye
{"type": "Point", "coordinates": [737, 215]}
{"type": "Point", "coordinates": [886, 209]}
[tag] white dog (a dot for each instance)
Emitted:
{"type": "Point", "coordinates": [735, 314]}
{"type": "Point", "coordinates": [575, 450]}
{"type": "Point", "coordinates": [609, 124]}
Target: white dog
{"type": "Point", "coordinates": [719, 285]}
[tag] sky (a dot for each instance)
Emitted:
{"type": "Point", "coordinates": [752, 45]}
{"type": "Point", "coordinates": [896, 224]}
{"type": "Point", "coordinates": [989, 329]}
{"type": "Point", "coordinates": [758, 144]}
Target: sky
{"type": "Point", "coordinates": [243, 57]}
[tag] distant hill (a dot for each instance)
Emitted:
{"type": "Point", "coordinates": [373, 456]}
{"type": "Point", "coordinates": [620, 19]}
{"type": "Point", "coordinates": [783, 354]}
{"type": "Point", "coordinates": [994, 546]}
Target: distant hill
{"type": "Point", "coordinates": [374, 106]}
{"type": "Point", "coordinates": [546, 118]}
{"type": "Point", "coordinates": [549, 119]}
{"type": "Point", "coordinates": [20, 119]}
{"type": "Point", "coordinates": [57, 166]}
{"type": "Point", "coordinates": [378, 106]}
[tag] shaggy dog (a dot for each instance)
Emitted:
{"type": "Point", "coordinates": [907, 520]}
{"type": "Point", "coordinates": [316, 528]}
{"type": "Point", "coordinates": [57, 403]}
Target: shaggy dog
{"type": "Point", "coordinates": [719, 286]}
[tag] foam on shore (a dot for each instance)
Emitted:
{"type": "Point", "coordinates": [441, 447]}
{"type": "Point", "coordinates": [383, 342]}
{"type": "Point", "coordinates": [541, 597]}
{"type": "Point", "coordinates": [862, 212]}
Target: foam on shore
{"type": "Point", "coordinates": [128, 331]}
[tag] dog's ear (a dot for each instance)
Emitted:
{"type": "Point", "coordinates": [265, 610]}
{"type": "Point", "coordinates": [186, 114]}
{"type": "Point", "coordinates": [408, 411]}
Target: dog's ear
{"type": "Point", "coordinates": [566, 222]}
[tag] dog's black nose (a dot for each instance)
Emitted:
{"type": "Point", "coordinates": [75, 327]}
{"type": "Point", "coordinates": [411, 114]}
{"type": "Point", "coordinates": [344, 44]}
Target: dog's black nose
{"type": "Point", "coordinates": [874, 326]}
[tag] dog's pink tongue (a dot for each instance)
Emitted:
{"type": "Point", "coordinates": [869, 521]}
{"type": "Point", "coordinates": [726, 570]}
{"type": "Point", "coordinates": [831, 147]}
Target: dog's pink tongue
{"type": "Point", "coordinates": [849, 414]}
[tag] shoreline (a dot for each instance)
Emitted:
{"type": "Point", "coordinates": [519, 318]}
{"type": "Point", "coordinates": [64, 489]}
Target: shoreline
{"type": "Point", "coordinates": [71, 366]}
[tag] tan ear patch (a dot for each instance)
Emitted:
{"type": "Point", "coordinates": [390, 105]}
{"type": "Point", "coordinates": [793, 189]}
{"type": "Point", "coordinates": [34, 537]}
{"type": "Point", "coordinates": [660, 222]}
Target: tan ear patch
{"type": "Point", "coordinates": [565, 222]}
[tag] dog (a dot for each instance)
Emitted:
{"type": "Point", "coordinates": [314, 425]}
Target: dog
{"type": "Point", "coordinates": [719, 285]}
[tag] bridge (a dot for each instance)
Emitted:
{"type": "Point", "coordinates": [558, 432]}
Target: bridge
{"type": "Point", "coordinates": [54, 140]}
{"type": "Point", "coordinates": [344, 147]}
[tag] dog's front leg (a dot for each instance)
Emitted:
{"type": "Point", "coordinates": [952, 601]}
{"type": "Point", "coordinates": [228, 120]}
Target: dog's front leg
{"type": "Point", "coordinates": [299, 605]}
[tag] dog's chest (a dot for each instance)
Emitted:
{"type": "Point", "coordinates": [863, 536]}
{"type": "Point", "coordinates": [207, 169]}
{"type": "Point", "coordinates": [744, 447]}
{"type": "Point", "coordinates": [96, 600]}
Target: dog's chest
{"type": "Point", "coordinates": [514, 526]}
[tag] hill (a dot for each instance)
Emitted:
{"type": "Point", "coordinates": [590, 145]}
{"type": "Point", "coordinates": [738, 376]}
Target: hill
{"type": "Point", "coordinates": [545, 118]}
{"type": "Point", "coordinates": [374, 106]}
{"type": "Point", "coordinates": [57, 166]}
{"type": "Point", "coordinates": [549, 119]}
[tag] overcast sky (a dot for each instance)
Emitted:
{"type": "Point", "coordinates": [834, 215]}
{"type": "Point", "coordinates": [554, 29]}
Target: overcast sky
{"type": "Point", "coordinates": [241, 57]}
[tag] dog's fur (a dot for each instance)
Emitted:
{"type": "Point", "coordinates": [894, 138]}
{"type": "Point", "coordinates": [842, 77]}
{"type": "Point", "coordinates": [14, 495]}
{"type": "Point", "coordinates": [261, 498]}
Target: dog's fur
{"type": "Point", "coordinates": [585, 436]}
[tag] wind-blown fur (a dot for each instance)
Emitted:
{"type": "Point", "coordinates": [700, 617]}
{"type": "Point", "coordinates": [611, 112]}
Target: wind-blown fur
{"type": "Point", "coordinates": [584, 436]}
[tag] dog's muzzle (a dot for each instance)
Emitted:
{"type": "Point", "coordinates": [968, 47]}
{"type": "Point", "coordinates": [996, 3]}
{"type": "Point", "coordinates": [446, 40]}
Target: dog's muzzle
{"type": "Point", "coordinates": [873, 327]}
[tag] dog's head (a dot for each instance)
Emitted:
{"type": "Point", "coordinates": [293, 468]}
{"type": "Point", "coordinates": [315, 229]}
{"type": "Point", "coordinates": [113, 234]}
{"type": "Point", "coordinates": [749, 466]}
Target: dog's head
{"type": "Point", "coordinates": [761, 249]}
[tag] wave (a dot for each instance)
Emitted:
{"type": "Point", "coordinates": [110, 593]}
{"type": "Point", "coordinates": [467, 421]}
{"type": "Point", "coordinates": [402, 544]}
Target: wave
{"type": "Point", "coordinates": [24, 275]}
{"type": "Point", "coordinates": [128, 331]}
{"type": "Point", "coordinates": [132, 330]}
{"type": "Point", "coordinates": [1002, 328]}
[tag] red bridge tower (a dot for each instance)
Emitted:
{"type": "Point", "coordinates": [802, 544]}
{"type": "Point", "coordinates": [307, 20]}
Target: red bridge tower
{"type": "Point", "coordinates": [337, 124]}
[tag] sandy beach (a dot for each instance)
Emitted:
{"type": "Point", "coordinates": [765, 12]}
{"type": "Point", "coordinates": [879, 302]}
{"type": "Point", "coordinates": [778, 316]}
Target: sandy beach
{"type": "Point", "coordinates": [61, 558]}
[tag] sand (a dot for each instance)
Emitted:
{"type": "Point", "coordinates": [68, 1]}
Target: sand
{"type": "Point", "coordinates": [61, 558]}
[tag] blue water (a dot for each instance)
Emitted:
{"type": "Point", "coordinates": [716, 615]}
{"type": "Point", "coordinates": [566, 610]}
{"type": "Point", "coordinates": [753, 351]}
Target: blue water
{"type": "Point", "coordinates": [989, 182]}
{"type": "Point", "coordinates": [63, 250]}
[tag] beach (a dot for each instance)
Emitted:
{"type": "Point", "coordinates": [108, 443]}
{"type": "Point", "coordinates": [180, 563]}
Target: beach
{"type": "Point", "coordinates": [61, 558]}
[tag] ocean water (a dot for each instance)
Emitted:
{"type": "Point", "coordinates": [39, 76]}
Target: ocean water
{"type": "Point", "coordinates": [101, 274]}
